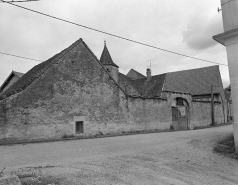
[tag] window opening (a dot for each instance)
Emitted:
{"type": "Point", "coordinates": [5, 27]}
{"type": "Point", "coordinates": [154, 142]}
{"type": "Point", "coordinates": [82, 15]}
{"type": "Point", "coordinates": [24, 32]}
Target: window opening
{"type": "Point", "coordinates": [180, 102]}
{"type": "Point", "coordinates": [79, 127]}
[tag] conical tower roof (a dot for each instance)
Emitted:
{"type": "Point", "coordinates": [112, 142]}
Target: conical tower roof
{"type": "Point", "coordinates": [106, 58]}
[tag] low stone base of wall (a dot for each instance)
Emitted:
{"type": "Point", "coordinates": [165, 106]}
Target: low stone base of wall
{"type": "Point", "coordinates": [73, 137]}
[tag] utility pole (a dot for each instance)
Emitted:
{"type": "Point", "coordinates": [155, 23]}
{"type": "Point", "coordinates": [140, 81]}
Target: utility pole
{"type": "Point", "coordinates": [212, 106]}
{"type": "Point", "coordinates": [229, 39]}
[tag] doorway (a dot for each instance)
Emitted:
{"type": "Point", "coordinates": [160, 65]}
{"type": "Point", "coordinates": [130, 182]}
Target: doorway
{"type": "Point", "coordinates": [180, 113]}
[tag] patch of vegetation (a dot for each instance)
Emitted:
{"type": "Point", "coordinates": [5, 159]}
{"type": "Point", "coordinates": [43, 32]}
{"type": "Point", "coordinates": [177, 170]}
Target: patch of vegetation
{"type": "Point", "coordinates": [35, 176]}
{"type": "Point", "coordinates": [2, 172]}
{"type": "Point", "coordinates": [39, 181]}
{"type": "Point", "coordinates": [229, 141]}
{"type": "Point", "coordinates": [34, 179]}
{"type": "Point", "coordinates": [226, 147]}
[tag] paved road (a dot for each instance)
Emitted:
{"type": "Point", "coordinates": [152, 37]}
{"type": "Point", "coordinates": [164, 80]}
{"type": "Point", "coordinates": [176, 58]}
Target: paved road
{"type": "Point", "coordinates": [180, 158]}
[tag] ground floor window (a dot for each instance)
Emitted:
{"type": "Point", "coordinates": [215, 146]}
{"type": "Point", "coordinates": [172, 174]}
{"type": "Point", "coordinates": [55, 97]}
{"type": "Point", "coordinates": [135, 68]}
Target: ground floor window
{"type": "Point", "coordinates": [78, 127]}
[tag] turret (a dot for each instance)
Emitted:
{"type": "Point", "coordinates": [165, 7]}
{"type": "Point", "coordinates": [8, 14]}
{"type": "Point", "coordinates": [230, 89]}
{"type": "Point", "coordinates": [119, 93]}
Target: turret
{"type": "Point", "coordinates": [108, 63]}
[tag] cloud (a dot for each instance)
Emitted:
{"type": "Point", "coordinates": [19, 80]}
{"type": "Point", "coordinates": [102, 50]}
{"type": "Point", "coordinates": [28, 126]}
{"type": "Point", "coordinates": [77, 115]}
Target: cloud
{"type": "Point", "coordinates": [158, 23]}
{"type": "Point", "coordinates": [199, 32]}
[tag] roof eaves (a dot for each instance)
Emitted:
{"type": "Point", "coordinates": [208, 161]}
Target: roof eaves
{"type": "Point", "coordinates": [144, 98]}
{"type": "Point", "coordinates": [176, 92]}
{"type": "Point", "coordinates": [113, 64]}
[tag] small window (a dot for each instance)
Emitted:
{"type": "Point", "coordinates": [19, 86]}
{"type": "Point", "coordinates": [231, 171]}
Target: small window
{"type": "Point", "coordinates": [180, 102]}
{"type": "Point", "coordinates": [79, 127]}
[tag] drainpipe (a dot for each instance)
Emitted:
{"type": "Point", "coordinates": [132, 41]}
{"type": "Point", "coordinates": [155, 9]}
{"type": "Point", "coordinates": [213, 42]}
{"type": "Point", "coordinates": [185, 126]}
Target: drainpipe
{"type": "Point", "coordinates": [223, 109]}
{"type": "Point", "coordinates": [212, 106]}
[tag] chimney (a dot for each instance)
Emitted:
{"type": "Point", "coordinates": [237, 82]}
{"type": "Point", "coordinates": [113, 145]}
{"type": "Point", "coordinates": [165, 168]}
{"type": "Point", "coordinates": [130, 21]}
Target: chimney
{"type": "Point", "coordinates": [148, 73]}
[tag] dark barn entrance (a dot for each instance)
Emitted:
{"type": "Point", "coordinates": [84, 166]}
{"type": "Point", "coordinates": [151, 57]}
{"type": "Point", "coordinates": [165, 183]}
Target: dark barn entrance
{"type": "Point", "coordinates": [180, 114]}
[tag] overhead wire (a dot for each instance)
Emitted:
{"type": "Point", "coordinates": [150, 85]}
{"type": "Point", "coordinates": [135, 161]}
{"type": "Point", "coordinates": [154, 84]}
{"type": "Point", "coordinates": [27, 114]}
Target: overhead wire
{"type": "Point", "coordinates": [227, 2]}
{"type": "Point", "coordinates": [20, 1]}
{"type": "Point", "coordinates": [113, 35]}
{"type": "Point", "coordinates": [18, 56]}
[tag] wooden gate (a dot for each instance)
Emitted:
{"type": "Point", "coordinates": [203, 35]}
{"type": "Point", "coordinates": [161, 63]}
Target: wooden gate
{"type": "Point", "coordinates": [180, 118]}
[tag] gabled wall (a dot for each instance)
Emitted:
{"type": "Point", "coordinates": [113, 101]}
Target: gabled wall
{"type": "Point", "coordinates": [76, 86]}
{"type": "Point", "coordinates": [134, 74]}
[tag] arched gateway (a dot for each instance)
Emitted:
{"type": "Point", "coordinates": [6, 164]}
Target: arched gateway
{"type": "Point", "coordinates": [180, 112]}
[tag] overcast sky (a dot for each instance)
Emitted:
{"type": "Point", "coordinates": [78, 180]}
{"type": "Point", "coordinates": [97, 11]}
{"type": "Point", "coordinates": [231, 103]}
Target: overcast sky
{"type": "Point", "coordinates": [184, 26]}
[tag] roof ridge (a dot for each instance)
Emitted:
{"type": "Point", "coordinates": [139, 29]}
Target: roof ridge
{"type": "Point", "coordinates": [194, 69]}
{"type": "Point", "coordinates": [62, 53]}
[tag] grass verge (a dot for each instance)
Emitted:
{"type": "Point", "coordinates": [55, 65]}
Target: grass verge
{"type": "Point", "coordinates": [226, 147]}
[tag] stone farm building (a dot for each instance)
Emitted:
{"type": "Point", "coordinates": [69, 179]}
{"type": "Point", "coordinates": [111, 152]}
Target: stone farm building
{"type": "Point", "coordinates": [11, 79]}
{"type": "Point", "coordinates": [74, 93]}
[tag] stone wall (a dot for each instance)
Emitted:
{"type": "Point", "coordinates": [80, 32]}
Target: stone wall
{"type": "Point", "coordinates": [202, 114]}
{"type": "Point", "coordinates": [150, 114]}
{"type": "Point", "coordinates": [77, 88]}
{"type": "Point", "coordinates": [200, 109]}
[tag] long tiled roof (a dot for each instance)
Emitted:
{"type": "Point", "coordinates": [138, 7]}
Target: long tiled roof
{"type": "Point", "coordinates": [106, 58]}
{"type": "Point", "coordinates": [129, 81]}
{"type": "Point", "coordinates": [194, 81]}
{"type": "Point", "coordinates": [35, 73]}
{"type": "Point", "coordinates": [146, 88]}
{"type": "Point", "coordinates": [154, 86]}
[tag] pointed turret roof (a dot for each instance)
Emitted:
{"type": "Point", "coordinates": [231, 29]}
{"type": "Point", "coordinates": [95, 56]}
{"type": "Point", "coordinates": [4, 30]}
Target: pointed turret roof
{"type": "Point", "coordinates": [106, 58]}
